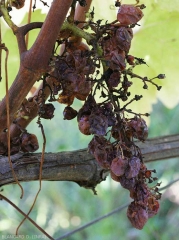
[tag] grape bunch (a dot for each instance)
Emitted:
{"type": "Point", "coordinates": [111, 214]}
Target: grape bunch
{"type": "Point", "coordinates": [103, 70]}
{"type": "Point", "coordinates": [26, 142]}
{"type": "Point", "coordinates": [100, 73]}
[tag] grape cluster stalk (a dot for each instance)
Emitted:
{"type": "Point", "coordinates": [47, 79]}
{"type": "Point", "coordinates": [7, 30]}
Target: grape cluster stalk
{"type": "Point", "coordinates": [100, 73]}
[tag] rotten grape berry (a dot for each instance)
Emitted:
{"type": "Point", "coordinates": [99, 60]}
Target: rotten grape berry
{"type": "Point", "coordinates": [84, 125]}
{"type": "Point", "coordinates": [46, 111]}
{"type": "Point", "coordinates": [129, 14]}
{"type": "Point", "coordinates": [137, 215]}
{"type": "Point", "coordinates": [29, 142]}
{"type": "Point", "coordinates": [69, 113]}
{"type": "Point", "coordinates": [119, 165]}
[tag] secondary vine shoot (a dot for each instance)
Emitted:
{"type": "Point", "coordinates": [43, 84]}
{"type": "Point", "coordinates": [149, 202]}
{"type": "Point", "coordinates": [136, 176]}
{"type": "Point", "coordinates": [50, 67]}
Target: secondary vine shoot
{"type": "Point", "coordinates": [91, 62]}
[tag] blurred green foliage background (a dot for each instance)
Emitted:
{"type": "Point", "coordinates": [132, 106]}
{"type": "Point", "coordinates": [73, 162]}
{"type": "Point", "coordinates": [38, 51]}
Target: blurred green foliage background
{"type": "Point", "coordinates": [64, 206]}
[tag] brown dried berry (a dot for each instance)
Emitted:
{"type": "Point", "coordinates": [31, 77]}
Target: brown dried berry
{"type": "Point", "coordinates": [18, 3]}
{"type": "Point", "coordinates": [114, 56]}
{"type": "Point", "coordinates": [148, 173]}
{"type": "Point", "coordinates": [124, 36]}
{"type": "Point", "coordinates": [46, 111]}
{"type": "Point", "coordinates": [130, 59]}
{"type": "Point", "coordinates": [69, 113]}
{"type": "Point", "coordinates": [102, 150]}
{"type": "Point", "coordinates": [137, 215]}
{"type": "Point", "coordinates": [142, 193]}
{"type": "Point", "coordinates": [115, 131]}
{"type": "Point", "coordinates": [127, 183]}
{"type": "Point", "coordinates": [29, 142]}
{"type": "Point", "coordinates": [113, 80]}
{"type": "Point", "coordinates": [66, 98]}
{"type": "Point", "coordinates": [118, 165]}
{"type": "Point", "coordinates": [133, 167]}
{"type": "Point", "coordinates": [86, 109]}
{"type": "Point", "coordinates": [153, 207]}
{"type": "Point", "coordinates": [84, 125]}
{"type": "Point", "coordinates": [101, 156]}
{"type": "Point", "coordinates": [129, 14]}
{"type": "Point", "coordinates": [117, 60]}
{"type": "Point", "coordinates": [138, 128]}
{"type": "Point", "coordinates": [98, 123]}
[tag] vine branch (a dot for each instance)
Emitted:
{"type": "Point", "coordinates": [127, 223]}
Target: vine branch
{"type": "Point", "coordinates": [78, 166]}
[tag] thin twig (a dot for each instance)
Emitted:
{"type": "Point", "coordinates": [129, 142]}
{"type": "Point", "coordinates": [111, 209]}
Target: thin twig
{"type": "Point", "coordinates": [7, 19]}
{"type": "Point", "coordinates": [168, 185]}
{"type": "Point", "coordinates": [19, 210]}
{"type": "Point", "coordinates": [40, 174]}
{"type": "Point", "coordinates": [28, 21]}
{"type": "Point", "coordinates": [8, 121]}
{"type": "Point", "coordinates": [93, 222]}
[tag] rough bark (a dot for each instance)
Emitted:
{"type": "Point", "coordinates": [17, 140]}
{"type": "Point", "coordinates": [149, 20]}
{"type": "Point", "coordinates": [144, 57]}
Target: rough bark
{"type": "Point", "coordinates": [79, 166]}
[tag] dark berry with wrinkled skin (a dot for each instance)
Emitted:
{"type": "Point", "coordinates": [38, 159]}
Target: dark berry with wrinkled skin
{"type": "Point", "coordinates": [84, 125]}
{"type": "Point", "coordinates": [46, 111]}
{"type": "Point", "coordinates": [137, 215]}
{"type": "Point", "coordinates": [69, 113]}
{"type": "Point", "coordinates": [119, 165]}
{"type": "Point", "coordinates": [129, 14]}
{"type": "Point", "coordinates": [29, 142]}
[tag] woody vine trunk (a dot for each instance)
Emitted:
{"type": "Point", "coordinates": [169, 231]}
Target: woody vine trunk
{"type": "Point", "coordinates": [34, 62]}
{"type": "Point", "coordinates": [79, 166]}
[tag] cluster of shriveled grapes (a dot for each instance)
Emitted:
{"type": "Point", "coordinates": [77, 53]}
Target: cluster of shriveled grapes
{"type": "Point", "coordinates": [76, 74]}
{"type": "Point", "coordinates": [25, 141]}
